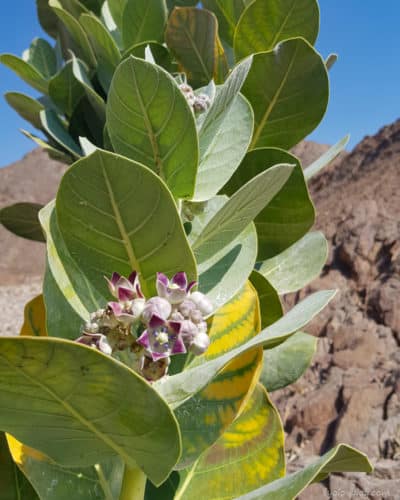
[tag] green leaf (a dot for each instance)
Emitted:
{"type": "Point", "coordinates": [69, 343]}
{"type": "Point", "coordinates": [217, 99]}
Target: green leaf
{"type": "Point", "coordinates": [143, 21]}
{"type": "Point", "coordinates": [42, 57]}
{"type": "Point", "coordinates": [228, 13]}
{"type": "Point", "coordinates": [204, 418]}
{"type": "Point", "coordinates": [326, 158]}
{"type": "Point", "coordinates": [79, 70]}
{"type": "Point", "coordinates": [73, 7]}
{"type": "Point", "coordinates": [286, 363]}
{"type": "Point", "coordinates": [53, 482]}
{"type": "Point", "coordinates": [117, 215]}
{"type": "Point", "coordinates": [342, 458]}
{"type": "Point", "coordinates": [296, 266]}
{"type": "Point", "coordinates": [290, 214]}
{"type": "Point", "coordinates": [149, 120]}
{"type": "Point", "coordinates": [160, 53]}
{"type": "Point", "coordinates": [117, 8]}
{"type": "Point", "coordinates": [47, 18]}
{"type": "Point", "coordinates": [249, 454]}
{"type": "Point", "coordinates": [104, 47]}
{"type": "Point", "coordinates": [65, 282]}
{"type": "Point", "coordinates": [25, 71]}
{"type": "Point", "coordinates": [54, 153]}
{"type": "Point", "coordinates": [29, 109]}
{"type": "Point", "coordinates": [226, 271]}
{"type": "Point", "coordinates": [22, 220]}
{"type": "Point", "coordinates": [93, 5]}
{"type": "Point", "coordinates": [239, 211]}
{"type": "Point", "coordinates": [65, 90]}
{"type": "Point", "coordinates": [179, 388]}
{"type": "Point", "coordinates": [270, 304]}
{"type": "Point", "coordinates": [192, 36]}
{"type": "Point", "coordinates": [84, 407]}
{"type": "Point", "coordinates": [83, 48]}
{"type": "Point", "coordinates": [264, 23]}
{"type": "Point", "coordinates": [288, 88]}
{"type": "Point", "coordinates": [229, 116]}
{"type": "Point", "coordinates": [53, 125]}
{"type": "Point", "coordinates": [13, 484]}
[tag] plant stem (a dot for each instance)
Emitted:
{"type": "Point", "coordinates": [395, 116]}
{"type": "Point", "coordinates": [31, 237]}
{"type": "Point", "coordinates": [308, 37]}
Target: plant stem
{"type": "Point", "coordinates": [133, 484]}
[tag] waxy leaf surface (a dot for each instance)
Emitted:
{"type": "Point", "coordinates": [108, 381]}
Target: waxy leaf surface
{"type": "Point", "coordinates": [288, 89]}
{"type": "Point", "coordinates": [206, 415]}
{"type": "Point", "coordinates": [22, 220]}
{"type": "Point", "coordinates": [264, 23]}
{"type": "Point", "coordinates": [249, 454]}
{"type": "Point", "coordinates": [117, 215]}
{"type": "Point", "coordinates": [270, 305]}
{"type": "Point", "coordinates": [149, 121]}
{"type": "Point", "coordinates": [78, 414]}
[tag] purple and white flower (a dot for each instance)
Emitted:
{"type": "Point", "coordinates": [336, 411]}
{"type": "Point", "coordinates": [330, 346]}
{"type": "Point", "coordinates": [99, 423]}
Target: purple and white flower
{"type": "Point", "coordinates": [96, 340]}
{"type": "Point", "coordinates": [125, 289]}
{"type": "Point", "coordinates": [156, 306]}
{"type": "Point", "coordinates": [162, 338]}
{"type": "Point", "coordinates": [174, 290]}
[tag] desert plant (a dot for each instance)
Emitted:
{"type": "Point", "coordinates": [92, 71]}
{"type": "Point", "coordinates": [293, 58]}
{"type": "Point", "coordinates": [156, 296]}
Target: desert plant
{"type": "Point", "coordinates": [153, 383]}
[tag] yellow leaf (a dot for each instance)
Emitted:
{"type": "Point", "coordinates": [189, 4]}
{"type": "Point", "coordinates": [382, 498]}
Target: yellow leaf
{"type": "Point", "coordinates": [34, 318]}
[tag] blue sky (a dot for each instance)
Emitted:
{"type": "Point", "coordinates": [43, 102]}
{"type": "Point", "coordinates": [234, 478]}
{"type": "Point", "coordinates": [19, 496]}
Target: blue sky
{"type": "Point", "coordinates": [365, 82]}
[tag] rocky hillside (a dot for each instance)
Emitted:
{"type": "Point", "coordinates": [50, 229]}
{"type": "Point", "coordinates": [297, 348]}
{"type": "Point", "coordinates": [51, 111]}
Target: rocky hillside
{"type": "Point", "coordinates": [352, 391]}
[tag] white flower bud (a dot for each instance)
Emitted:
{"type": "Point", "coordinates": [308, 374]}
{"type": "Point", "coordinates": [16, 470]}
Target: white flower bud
{"type": "Point", "coordinates": [137, 307]}
{"type": "Point", "coordinates": [200, 343]}
{"type": "Point", "coordinates": [201, 302]}
{"type": "Point", "coordinates": [158, 306]}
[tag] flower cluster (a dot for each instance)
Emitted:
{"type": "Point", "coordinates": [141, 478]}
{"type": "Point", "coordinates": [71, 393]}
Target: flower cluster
{"type": "Point", "coordinates": [150, 331]}
{"type": "Point", "coordinates": [199, 103]}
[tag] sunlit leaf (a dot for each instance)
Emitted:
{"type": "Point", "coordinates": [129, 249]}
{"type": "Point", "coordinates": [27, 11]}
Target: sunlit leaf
{"type": "Point", "coordinates": [25, 71]}
{"type": "Point", "coordinates": [116, 215]}
{"type": "Point", "coordinates": [342, 458]}
{"type": "Point", "coordinates": [149, 121]}
{"type": "Point", "coordinates": [205, 416]}
{"type": "Point", "coordinates": [42, 57]}
{"type": "Point", "coordinates": [288, 89]}
{"type": "Point", "coordinates": [249, 454]}
{"type": "Point", "coordinates": [78, 415]}
{"type": "Point", "coordinates": [192, 35]}
{"type": "Point", "coordinates": [270, 305]}
{"type": "Point", "coordinates": [143, 21]}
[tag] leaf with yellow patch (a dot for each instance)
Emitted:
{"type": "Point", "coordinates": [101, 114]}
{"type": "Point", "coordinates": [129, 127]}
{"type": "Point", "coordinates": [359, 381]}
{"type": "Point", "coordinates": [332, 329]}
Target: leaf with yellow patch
{"type": "Point", "coordinates": [249, 454]}
{"type": "Point", "coordinates": [34, 318]}
{"type": "Point", "coordinates": [53, 482]}
{"type": "Point", "coordinates": [204, 417]}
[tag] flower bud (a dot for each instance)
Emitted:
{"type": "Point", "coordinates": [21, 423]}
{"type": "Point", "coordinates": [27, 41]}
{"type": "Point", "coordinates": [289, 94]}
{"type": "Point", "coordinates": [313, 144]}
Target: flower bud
{"type": "Point", "coordinates": [157, 306]}
{"type": "Point", "coordinates": [202, 302]}
{"type": "Point", "coordinates": [188, 331]}
{"type": "Point", "coordinates": [200, 343]}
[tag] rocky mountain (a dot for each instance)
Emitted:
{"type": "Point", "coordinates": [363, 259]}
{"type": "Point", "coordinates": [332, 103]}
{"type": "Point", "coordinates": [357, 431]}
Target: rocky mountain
{"type": "Point", "coordinates": [351, 393]}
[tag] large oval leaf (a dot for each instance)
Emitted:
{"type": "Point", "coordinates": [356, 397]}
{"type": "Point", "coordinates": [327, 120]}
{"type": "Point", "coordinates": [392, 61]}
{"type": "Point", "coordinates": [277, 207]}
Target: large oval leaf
{"type": "Point", "coordinates": [294, 268]}
{"type": "Point", "coordinates": [290, 214]}
{"type": "Point", "coordinates": [13, 484]}
{"type": "Point", "coordinates": [286, 363]}
{"type": "Point", "coordinates": [84, 407]}
{"type": "Point", "coordinates": [25, 71]}
{"type": "Point", "coordinates": [228, 13]}
{"type": "Point", "coordinates": [104, 47]}
{"type": "Point", "coordinates": [178, 388]}
{"type": "Point", "coordinates": [249, 454]}
{"type": "Point", "coordinates": [270, 306]}
{"type": "Point", "coordinates": [226, 269]}
{"type": "Point", "coordinates": [192, 35]}
{"type": "Point", "coordinates": [342, 458]}
{"type": "Point", "coordinates": [149, 120]}
{"type": "Point", "coordinates": [239, 211]}
{"type": "Point", "coordinates": [41, 56]}
{"type": "Point", "coordinates": [230, 116]}
{"type": "Point", "coordinates": [143, 21]}
{"type": "Point", "coordinates": [82, 47]}
{"type": "Point", "coordinates": [288, 88]}
{"type": "Point", "coordinates": [65, 90]}
{"type": "Point", "coordinates": [204, 417]}
{"type": "Point", "coordinates": [117, 215]}
{"type": "Point", "coordinates": [29, 109]}
{"type": "Point", "coordinates": [264, 23]}
{"type": "Point", "coordinates": [53, 482]}
{"type": "Point", "coordinates": [22, 220]}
